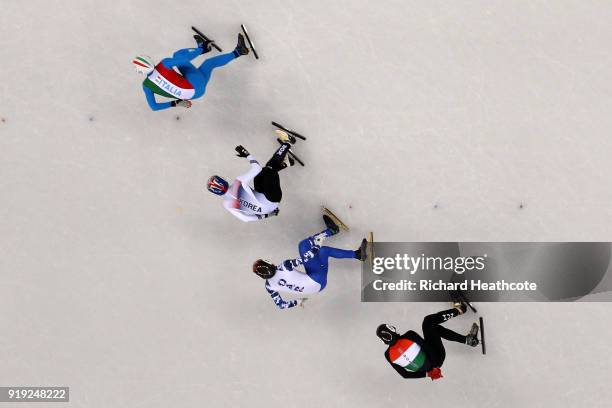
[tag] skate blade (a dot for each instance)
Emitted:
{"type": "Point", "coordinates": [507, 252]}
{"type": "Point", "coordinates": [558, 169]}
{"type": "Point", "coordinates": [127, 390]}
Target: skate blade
{"type": "Point", "coordinates": [214, 44]}
{"type": "Point", "coordinates": [371, 249]}
{"type": "Point", "coordinates": [251, 44]}
{"type": "Point", "coordinates": [482, 337]}
{"type": "Point", "coordinates": [291, 132]}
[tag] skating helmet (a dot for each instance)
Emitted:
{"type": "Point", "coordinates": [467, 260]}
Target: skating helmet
{"type": "Point", "coordinates": [217, 185]}
{"type": "Point", "coordinates": [386, 333]}
{"type": "Point", "coordinates": [264, 269]}
{"type": "Point", "coordinates": [143, 64]}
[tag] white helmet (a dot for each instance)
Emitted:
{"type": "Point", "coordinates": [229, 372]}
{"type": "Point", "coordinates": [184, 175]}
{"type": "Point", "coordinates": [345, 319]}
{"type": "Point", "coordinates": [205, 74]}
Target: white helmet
{"type": "Point", "coordinates": [143, 64]}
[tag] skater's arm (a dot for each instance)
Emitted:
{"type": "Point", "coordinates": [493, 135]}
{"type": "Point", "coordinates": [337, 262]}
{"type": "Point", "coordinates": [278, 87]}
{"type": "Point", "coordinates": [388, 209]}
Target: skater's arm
{"type": "Point", "coordinates": [278, 300]}
{"type": "Point", "coordinates": [153, 104]}
{"type": "Point", "coordinates": [407, 374]}
{"type": "Point", "coordinates": [241, 216]}
{"type": "Point", "coordinates": [255, 169]}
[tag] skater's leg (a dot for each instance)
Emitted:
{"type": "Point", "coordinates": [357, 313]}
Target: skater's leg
{"type": "Point", "coordinates": [433, 334]}
{"type": "Point", "coordinates": [317, 269]}
{"type": "Point", "coordinates": [277, 160]}
{"type": "Point", "coordinates": [267, 182]}
{"type": "Point", "coordinates": [305, 245]}
{"type": "Point", "coordinates": [318, 266]}
{"type": "Point", "coordinates": [210, 64]}
{"type": "Point", "coordinates": [448, 334]}
{"type": "Point", "coordinates": [432, 326]}
{"type": "Point", "coordinates": [433, 339]}
{"type": "Point", "coordinates": [182, 57]}
{"type": "Point", "coordinates": [308, 243]}
{"type": "Point", "coordinates": [331, 252]}
{"type": "Point", "coordinates": [440, 317]}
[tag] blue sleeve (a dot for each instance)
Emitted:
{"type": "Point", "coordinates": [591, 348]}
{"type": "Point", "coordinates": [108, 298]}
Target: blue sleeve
{"type": "Point", "coordinates": [151, 100]}
{"type": "Point", "coordinates": [291, 264]}
{"type": "Point", "coordinates": [278, 300]}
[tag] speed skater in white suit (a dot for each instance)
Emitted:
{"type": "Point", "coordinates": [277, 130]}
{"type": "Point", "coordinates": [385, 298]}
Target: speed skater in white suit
{"type": "Point", "coordinates": [252, 203]}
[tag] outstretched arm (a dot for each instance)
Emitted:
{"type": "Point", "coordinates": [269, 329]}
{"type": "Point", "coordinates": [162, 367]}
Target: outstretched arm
{"type": "Point", "coordinates": [243, 217]}
{"type": "Point", "coordinates": [278, 300]}
{"type": "Point", "coordinates": [255, 169]}
{"type": "Point", "coordinates": [153, 104]}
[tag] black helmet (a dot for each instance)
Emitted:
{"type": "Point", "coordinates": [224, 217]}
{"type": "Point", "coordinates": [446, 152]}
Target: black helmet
{"type": "Point", "coordinates": [263, 269]}
{"type": "Point", "coordinates": [386, 333]}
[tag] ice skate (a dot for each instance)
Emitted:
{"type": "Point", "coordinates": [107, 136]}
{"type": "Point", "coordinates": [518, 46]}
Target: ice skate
{"type": "Point", "coordinates": [288, 161]}
{"type": "Point", "coordinates": [472, 337]}
{"type": "Point", "coordinates": [334, 217]}
{"type": "Point", "coordinates": [204, 44]}
{"type": "Point", "coordinates": [361, 253]}
{"type": "Point", "coordinates": [285, 137]}
{"type": "Point", "coordinates": [331, 225]}
{"type": "Point", "coordinates": [241, 48]}
{"type": "Point", "coordinates": [458, 302]}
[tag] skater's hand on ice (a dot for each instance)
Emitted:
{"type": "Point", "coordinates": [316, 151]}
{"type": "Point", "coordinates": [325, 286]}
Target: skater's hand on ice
{"type": "Point", "coordinates": [184, 104]}
{"type": "Point", "coordinates": [242, 152]}
{"type": "Point", "coordinates": [302, 301]}
{"type": "Point", "coordinates": [435, 373]}
{"type": "Point", "coordinates": [275, 212]}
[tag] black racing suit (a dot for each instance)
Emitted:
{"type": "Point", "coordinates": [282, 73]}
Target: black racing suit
{"type": "Point", "coordinates": [267, 182]}
{"type": "Point", "coordinates": [432, 345]}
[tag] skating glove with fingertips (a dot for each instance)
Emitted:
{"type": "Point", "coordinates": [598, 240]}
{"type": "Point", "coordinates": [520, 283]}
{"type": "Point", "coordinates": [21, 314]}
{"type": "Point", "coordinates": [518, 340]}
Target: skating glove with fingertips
{"type": "Point", "coordinates": [180, 102]}
{"type": "Point", "coordinates": [242, 152]}
{"type": "Point", "coordinates": [272, 214]}
{"type": "Point", "coordinates": [435, 373]}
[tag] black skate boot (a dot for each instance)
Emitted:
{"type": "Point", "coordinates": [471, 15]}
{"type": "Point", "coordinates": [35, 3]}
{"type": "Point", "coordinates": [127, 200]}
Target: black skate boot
{"type": "Point", "coordinates": [361, 253]}
{"type": "Point", "coordinates": [472, 337]}
{"type": "Point", "coordinates": [205, 45]}
{"type": "Point", "coordinates": [458, 302]}
{"type": "Point", "coordinates": [331, 225]}
{"type": "Point", "coordinates": [288, 161]}
{"type": "Point", "coordinates": [241, 48]}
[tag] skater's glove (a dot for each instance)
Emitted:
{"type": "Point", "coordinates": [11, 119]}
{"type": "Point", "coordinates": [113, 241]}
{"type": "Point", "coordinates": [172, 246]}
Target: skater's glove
{"type": "Point", "coordinates": [184, 104]}
{"type": "Point", "coordinates": [435, 373]}
{"type": "Point", "coordinates": [242, 152]}
{"type": "Point", "coordinates": [302, 301]}
{"type": "Point", "coordinates": [272, 214]}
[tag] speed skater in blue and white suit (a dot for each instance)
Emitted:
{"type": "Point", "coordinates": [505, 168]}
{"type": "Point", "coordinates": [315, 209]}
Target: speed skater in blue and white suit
{"type": "Point", "coordinates": [314, 257]}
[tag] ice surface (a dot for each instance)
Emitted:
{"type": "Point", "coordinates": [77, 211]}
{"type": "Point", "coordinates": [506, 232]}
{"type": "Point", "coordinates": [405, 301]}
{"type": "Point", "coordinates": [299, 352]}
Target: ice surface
{"type": "Point", "coordinates": [123, 279]}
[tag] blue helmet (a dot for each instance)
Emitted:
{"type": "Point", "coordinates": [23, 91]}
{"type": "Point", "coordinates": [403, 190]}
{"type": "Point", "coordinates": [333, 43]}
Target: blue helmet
{"type": "Point", "coordinates": [217, 185]}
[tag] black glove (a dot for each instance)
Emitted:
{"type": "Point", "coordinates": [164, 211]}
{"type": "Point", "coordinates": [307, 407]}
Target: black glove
{"type": "Point", "coordinates": [272, 214]}
{"type": "Point", "coordinates": [242, 152]}
{"type": "Point", "coordinates": [179, 102]}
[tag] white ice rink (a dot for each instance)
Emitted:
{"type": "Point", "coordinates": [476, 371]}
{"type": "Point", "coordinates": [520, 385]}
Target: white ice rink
{"type": "Point", "coordinates": [121, 277]}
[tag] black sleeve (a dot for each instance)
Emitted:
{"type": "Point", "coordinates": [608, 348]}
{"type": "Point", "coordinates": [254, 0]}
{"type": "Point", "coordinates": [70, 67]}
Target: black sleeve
{"type": "Point", "coordinates": [404, 373]}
